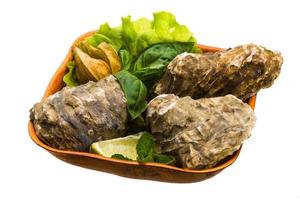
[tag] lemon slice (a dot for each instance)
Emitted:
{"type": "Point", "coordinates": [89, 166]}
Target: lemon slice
{"type": "Point", "coordinates": [125, 146]}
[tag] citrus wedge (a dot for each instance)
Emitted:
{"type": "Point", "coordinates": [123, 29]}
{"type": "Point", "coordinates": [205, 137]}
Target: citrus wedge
{"type": "Point", "coordinates": [125, 146]}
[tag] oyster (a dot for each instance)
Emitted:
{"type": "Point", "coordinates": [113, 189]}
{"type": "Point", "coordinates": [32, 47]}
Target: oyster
{"type": "Point", "coordinates": [241, 71]}
{"type": "Point", "coordinates": [74, 118]}
{"type": "Point", "coordinates": [199, 133]}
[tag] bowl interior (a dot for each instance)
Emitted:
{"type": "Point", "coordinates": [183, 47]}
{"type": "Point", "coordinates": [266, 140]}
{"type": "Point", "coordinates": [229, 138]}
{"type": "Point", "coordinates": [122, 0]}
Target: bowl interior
{"type": "Point", "coordinates": [57, 84]}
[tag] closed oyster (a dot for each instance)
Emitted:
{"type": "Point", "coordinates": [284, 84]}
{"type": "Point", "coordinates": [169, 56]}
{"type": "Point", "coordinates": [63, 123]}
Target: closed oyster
{"type": "Point", "coordinates": [241, 71]}
{"type": "Point", "coordinates": [199, 133]}
{"type": "Point", "coordinates": [74, 118]}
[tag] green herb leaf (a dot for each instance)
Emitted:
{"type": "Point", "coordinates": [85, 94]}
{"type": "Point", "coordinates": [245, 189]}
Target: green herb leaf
{"type": "Point", "coordinates": [107, 34]}
{"type": "Point", "coordinates": [136, 36]}
{"type": "Point", "coordinates": [152, 63]}
{"type": "Point", "coordinates": [145, 148]}
{"type": "Point", "coordinates": [135, 92]}
{"type": "Point", "coordinates": [70, 77]}
{"type": "Point", "coordinates": [167, 28]}
{"type": "Point", "coordinates": [126, 59]}
{"type": "Point", "coordinates": [120, 157]}
{"type": "Point", "coordinates": [146, 151]}
{"type": "Point", "coordinates": [129, 35]}
{"type": "Point", "coordinates": [165, 159]}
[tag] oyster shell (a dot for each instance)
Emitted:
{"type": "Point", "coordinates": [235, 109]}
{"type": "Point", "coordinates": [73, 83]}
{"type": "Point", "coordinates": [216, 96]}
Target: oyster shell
{"type": "Point", "coordinates": [74, 118]}
{"type": "Point", "coordinates": [241, 71]}
{"type": "Point", "coordinates": [199, 133]}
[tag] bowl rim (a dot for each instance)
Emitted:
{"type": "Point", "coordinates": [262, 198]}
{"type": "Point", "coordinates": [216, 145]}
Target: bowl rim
{"type": "Point", "coordinates": [49, 90]}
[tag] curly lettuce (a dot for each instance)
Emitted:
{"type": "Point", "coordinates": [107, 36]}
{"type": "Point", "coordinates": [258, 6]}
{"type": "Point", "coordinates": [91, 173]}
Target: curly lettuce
{"type": "Point", "coordinates": [136, 36]}
{"type": "Point", "coordinates": [70, 77]}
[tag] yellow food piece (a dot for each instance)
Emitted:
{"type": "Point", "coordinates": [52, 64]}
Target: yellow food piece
{"type": "Point", "coordinates": [88, 68]}
{"type": "Point", "coordinates": [125, 146]}
{"type": "Point", "coordinates": [92, 51]}
{"type": "Point", "coordinates": [112, 55]}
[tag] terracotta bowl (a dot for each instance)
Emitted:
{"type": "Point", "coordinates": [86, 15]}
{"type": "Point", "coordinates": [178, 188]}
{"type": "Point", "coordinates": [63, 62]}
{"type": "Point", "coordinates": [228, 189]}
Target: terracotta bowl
{"type": "Point", "coordinates": [132, 169]}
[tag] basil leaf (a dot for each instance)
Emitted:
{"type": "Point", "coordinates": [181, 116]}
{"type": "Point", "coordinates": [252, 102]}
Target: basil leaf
{"type": "Point", "coordinates": [165, 159]}
{"type": "Point", "coordinates": [145, 148]}
{"type": "Point", "coordinates": [135, 92]}
{"type": "Point", "coordinates": [152, 63]}
{"type": "Point", "coordinates": [120, 157]}
{"type": "Point", "coordinates": [146, 152]}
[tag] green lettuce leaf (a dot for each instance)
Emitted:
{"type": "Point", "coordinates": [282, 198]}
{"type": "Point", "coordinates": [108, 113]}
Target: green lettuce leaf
{"type": "Point", "coordinates": [134, 41]}
{"type": "Point", "coordinates": [129, 36]}
{"type": "Point", "coordinates": [142, 33]}
{"type": "Point", "coordinates": [168, 29]}
{"type": "Point", "coordinates": [136, 36]}
{"type": "Point", "coordinates": [70, 77]}
{"type": "Point", "coordinates": [112, 36]}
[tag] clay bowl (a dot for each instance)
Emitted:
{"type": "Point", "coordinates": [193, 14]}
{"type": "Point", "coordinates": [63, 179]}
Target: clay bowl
{"type": "Point", "coordinates": [131, 169]}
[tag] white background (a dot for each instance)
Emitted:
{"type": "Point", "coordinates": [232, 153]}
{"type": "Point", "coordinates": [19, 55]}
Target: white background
{"type": "Point", "coordinates": [34, 38]}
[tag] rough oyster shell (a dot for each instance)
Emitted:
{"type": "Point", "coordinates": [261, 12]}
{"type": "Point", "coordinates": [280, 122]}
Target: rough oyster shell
{"type": "Point", "coordinates": [241, 71]}
{"type": "Point", "coordinates": [74, 118]}
{"type": "Point", "coordinates": [199, 133]}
